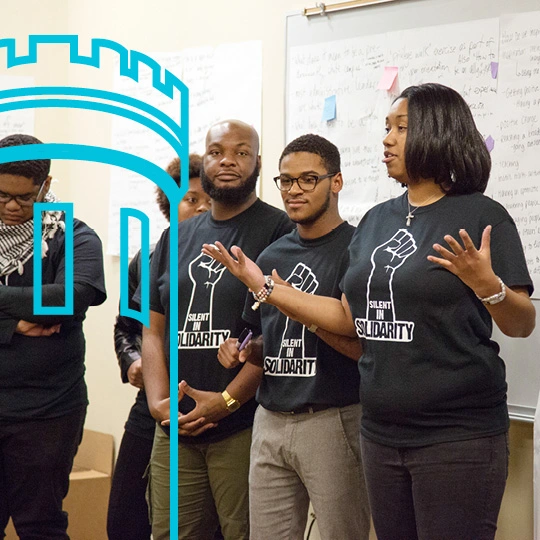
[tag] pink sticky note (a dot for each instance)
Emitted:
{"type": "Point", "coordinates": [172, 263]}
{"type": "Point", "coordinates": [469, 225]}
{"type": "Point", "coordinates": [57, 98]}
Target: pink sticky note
{"type": "Point", "coordinates": [494, 69]}
{"type": "Point", "coordinates": [490, 143]}
{"type": "Point", "coordinates": [388, 78]}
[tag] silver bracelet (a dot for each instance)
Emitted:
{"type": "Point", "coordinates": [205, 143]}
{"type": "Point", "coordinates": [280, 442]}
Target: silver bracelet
{"type": "Point", "coordinates": [495, 298]}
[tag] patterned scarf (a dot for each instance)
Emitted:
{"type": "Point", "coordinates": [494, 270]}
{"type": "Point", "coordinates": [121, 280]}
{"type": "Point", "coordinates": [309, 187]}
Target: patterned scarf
{"type": "Point", "coordinates": [17, 241]}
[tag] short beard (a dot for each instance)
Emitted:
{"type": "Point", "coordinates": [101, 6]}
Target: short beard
{"type": "Point", "coordinates": [309, 220]}
{"type": "Point", "coordinates": [233, 195]}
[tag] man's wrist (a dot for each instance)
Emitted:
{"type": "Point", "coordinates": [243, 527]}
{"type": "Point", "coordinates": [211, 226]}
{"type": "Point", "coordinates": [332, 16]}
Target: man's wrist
{"type": "Point", "coordinates": [264, 292]}
{"type": "Point", "coordinates": [231, 403]}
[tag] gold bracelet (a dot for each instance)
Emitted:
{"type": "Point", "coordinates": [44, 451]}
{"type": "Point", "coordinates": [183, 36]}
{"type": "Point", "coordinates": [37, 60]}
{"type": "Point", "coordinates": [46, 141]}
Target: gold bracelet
{"type": "Point", "coordinates": [231, 403]}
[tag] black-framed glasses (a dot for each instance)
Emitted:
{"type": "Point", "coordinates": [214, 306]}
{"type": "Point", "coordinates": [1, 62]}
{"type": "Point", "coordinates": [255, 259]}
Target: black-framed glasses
{"type": "Point", "coordinates": [28, 199]}
{"type": "Point", "coordinates": [306, 182]}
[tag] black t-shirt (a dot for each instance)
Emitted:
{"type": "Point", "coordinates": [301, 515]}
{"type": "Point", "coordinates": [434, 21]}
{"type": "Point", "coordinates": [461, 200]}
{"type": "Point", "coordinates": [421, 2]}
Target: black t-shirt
{"type": "Point", "coordinates": [430, 372]}
{"type": "Point", "coordinates": [43, 377]}
{"type": "Point", "coordinates": [299, 367]}
{"type": "Point", "coordinates": [210, 301]}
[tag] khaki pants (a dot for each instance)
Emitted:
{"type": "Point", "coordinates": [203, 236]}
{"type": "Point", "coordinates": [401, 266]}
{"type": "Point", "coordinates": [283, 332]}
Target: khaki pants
{"type": "Point", "coordinates": [302, 457]}
{"type": "Point", "coordinates": [212, 482]}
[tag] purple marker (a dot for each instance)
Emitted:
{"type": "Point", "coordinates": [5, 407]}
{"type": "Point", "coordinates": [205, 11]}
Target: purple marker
{"type": "Point", "coordinates": [244, 339]}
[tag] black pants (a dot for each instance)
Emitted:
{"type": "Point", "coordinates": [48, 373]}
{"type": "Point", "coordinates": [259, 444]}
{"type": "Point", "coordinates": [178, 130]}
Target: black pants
{"type": "Point", "coordinates": [36, 457]}
{"type": "Point", "coordinates": [446, 491]}
{"type": "Point", "coordinates": [128, 512]}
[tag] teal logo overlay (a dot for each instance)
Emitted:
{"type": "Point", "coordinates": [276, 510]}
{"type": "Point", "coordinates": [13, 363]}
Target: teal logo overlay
{"type": "Point", "coordinates": [175, 133]}
{"type": "Point", "coordinates": [144, 315]}
{"type": "Point", "coordinates": [67, 308]}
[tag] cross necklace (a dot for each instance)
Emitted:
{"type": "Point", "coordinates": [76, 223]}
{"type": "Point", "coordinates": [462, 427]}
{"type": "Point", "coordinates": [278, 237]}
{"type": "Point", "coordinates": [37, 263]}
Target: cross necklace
{"type": "Point", "coordinates": [410, 215]}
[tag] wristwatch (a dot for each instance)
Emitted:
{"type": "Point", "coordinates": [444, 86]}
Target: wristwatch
{"type": "Point", "coordinates": [495, 298]}
{"type": "Point", "coordinates": [231, 403]}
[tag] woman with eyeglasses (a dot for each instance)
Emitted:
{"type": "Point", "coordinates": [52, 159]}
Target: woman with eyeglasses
{"type": "Point", "coordinates": [429, 273]}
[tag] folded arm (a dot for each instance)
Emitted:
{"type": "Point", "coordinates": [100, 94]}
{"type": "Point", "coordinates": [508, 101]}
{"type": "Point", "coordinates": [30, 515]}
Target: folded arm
{"type": "Point", "coordinates": [18, 302]}
{"type": "Point", "coordinates": [128, 332]}
{"type": "Point", "coordinates": [127, 345]}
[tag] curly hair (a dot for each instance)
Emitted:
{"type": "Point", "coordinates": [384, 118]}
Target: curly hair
{"type": "Point", "coordinates": [36, 169]}
{"type": "Point", "coordinates": [173, 169]}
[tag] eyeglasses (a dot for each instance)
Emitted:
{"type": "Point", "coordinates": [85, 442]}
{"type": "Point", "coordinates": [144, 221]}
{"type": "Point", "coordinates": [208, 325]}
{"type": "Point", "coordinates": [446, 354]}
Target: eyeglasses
{"type": "Point", "coordinates": [28, 199]}
{"type": "Point", "coordinates": [306, 182]}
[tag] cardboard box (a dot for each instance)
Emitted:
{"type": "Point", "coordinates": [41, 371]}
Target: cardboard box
{"type": "Point", "coordinates": [89, 487]}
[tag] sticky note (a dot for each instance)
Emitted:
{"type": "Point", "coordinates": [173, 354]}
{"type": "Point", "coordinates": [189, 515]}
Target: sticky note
{"type": "Point", "coordinates": [329, 111]}
{"type": "Point", "coordinates": [490, 143]}
{"type": "Point", "coordinates": [388, 77]}
{"type": "Point", "coordinates": [494, 69]}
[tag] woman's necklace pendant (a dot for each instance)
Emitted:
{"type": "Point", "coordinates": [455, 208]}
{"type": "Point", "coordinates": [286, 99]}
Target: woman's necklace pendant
{"type": "Point", "coordinates": [409, 217]}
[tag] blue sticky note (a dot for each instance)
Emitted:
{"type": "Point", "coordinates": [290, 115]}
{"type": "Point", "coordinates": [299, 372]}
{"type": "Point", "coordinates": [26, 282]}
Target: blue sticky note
{"type": "Point", "coordinates": [494, 69]}
{"type": "Point", "coordinates": [329, 111]}
{"type": "Point", "coordinates": [490, 143]}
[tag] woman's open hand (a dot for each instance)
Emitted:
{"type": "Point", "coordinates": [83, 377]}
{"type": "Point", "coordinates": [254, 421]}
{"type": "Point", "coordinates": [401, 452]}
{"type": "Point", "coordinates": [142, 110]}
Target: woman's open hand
{"type": "Point", "coordinates": [471, 265]}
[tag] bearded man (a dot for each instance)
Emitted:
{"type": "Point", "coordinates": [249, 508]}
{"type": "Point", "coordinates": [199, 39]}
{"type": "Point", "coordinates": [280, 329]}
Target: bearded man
{"type": "Point", "coordinates": [216, 406]}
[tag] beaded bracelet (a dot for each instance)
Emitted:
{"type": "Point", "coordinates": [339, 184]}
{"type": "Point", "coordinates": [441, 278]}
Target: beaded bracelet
{"type": "Point", "coordinates": [264, 293]}
{"type": "Point", "coordinates": [495, 298]}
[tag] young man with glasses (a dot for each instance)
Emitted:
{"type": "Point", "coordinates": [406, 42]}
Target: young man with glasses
{"type": "Point", "coordinates": [306, 435]}
{"type": "Point", "coordinates": [43, 395]}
